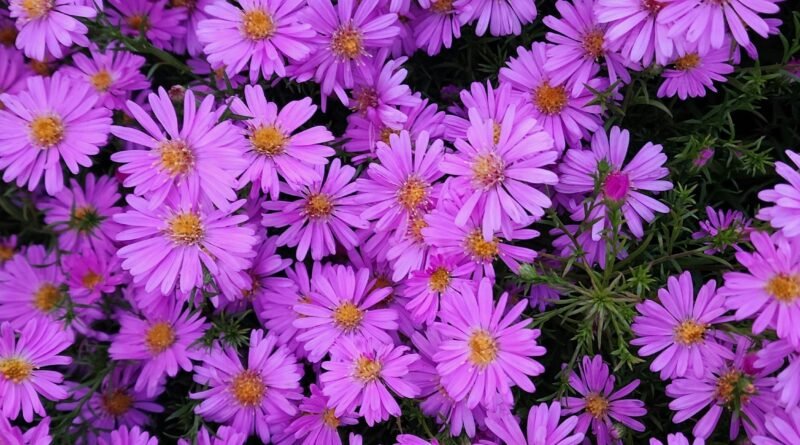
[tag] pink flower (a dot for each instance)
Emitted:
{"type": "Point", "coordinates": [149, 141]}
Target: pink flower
{"type": "Point", "coordinates": [46, 27]}
{"type": "Point", "coordinates": [150, 18]}
{"type": "Point", "coordinates": [636, 30]}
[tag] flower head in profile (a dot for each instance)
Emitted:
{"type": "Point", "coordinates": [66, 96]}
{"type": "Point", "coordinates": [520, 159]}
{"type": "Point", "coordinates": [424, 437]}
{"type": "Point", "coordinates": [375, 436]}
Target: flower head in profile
{"type": "Point", "coordinates": [784, 213]}
{"type": "Point", "coordinates": [317, 423]}
{"type": "Point", "coordinates": [200, 158]}
{"type": "Point", "coordinates": [545, 427]}
{"type": "Point", "coordinates": [614, 183]}
{"type": "Point", "coordinates": [343, 303]}
{"type": "Point", "coordinates": [599, 404]}
{"type": "Point", "coordinates": [636, 30]}
{"type": "Point", "coordinates": [51, 124]}
{"type": "Point", "coordinates": [485, 351]}
{"type": "Point", "coordinates": [162, 340]}
{"type": "Point", "coordinates": [680, 328]}
{"type": "Point", "coordinates": [500, 17]}
{"type": "Point", "coordinates": [438, 24]}
{"type": "Point", "coordinates": [276, 149]}
{"type": "Point", "coordinates": [30, 287]}
{"type": "Point", "coordinates": [258, 33]}
{"type": "Point", "coordinates": [113, 73]}
{"type": "Point", "coordinates": [153, 19]}
{"type": "Point", "coordinates": [245, 396]}
{"type": "Point", "coordinates": [723, 229]}
{"type": "Point", "coordinates": [23, 355]}
{"type": "Point", "coordinates": [360, 374]}
{"type": "Point", "coordinates": [693, 72]}
{"type": "Point", "coordinates": [47, 27]}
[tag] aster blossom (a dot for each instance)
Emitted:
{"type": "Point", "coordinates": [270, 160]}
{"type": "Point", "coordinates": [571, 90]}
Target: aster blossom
{"type": "Point", "coordinates": [438, 25]}
{"type": "Point", "coordinates": [47, 27]}
{"type": "Point", "coordinates": [636, 30]}
{"type": "Point", "coordinates": [30, 287]}
{"type": "Point", "coordinates": [500, 17]}
{"type": "Point", "coordinates": [784, 197]}
{"type": "Point", "coordinates": [780, 428]}
{"type": "Point", "coordinates": [318, 423]}
{"type": "Point", "coordinates": [723, 229]}
{"type": "Point", "coordinates": [544, 427]}
{"type": "Point", "coordinates": [150, 18]}
{"type": "Point", "coordinates": [694, 71]}
{"type": "Point", "coordinates": [113, 73]}
{"type": "Point", "coordinates": [379, 93]}
{"type": "Point", "coordinates": [129, 436]}
{"type": "Point", "coordinates": [35, 435]}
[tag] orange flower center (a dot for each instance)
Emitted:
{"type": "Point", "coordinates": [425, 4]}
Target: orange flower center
{"type": "Point", "coordinates": [488, 170]}
{"type": "Point", "coordinates": [442, 6]}
{"type": "Point", "coordinates": [596, 405]}
{"type": "Point", "coordinates": [35, 9]}
{"type": "Point", "coordinates": [549, 99]}
{"type": "Point", "coordinates": [784, 288]}
{"type": "Point", "coordinates": [439, 280]}
{"type": "Point", "coordinates": [367, 369]}
{"type": "Point", "coordinates": [6, 253]}
{"type": "Point", "coordinates": [329, 418]}
{"type": "Point", "coordinates": [176, 157]}
{"type": "Point", "coordinates": [185, 228]}
{"type": "Point", "coordinates": [248, 388]}
{"type": "Point", "coordinates": [46, 297]}
{"type": "Point", "coordinates": [385, 133]}
{"type": "Point", "coordinates": [482, 348]}
{"type": "Point", "coordinates": [687, 62]}
{"type": "Point", "coordinates": [46, 131]}
{"type": "Point", "coordinates": [116, 402]}
{"type": "Point", "coordinates": [318, 205]}
{"type": "Point", "coordinates": [347, 42]}
{"type": "Point", "coordinates": [479, 248]}
{"type": "Point", "coordinates": [139, 22]}
{"type": "Point", "coordinates": [593, 43]}
{"type": "Point", "coordinates": [690, 332]}
{"type": "Point", "coordinates": [347, 316]}
{"type": "Point", "coordinates": [257, 25]}
{"type": "Point", "coordinates": [413, 193]}
{"type": "Point", "coordinates": [364, 98]}
{"type": "Point", "coordinates": [159, 337]}
{"type": "Point", "coordinates": [15, 369]}
{"type": "Point", "coordinates": [268, 140]}
{"type": "Point", "coordinates": [415, 225]}
{"type": "Point", "coordinates": [101, 80]}
{"type": "Point", "coordinates": [91, 279]}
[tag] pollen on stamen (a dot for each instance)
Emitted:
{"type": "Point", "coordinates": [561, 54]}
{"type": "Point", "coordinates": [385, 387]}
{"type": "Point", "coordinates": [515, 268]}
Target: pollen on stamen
{"type": "Point", "coordinates": [593, 43]}
{"type": "Point", "coordinates": [347, 42]}
{"type": "Point", "coordinates": [139, 22]}
{"type": "Point", "coordinates": [550, 99]}
{"type": "Point", "coordinates": [257, 24]}
{"type": "Point", "coordinates": [46, 297]}
{"type": "Point", "coordinates": [91, 279]}
{"type": "Point", "coordinates": [15, 369]}
{"type": "Point", "coordinates": [116, 402]}
{"type": "Point", "coordinates": [35, 9]}
{"type": "Point", "coordinates": [367, 369]}
{"type": "Point", "coordinates": [480, 249]}
{"type": "Point", "coordinates": [687, 62]}
{"type": "Point", "coordinates": [329, 418]}
{"type": "Point", "coordinates": [413, 193]}
{"type": "Point", "coordinates": [176, 157]}
{"type": "Point", "coordinates": [347, 316]}
{"type": "Point", "coordinates": [248, 388]}
{"type": "Point", "coordinates": [596, 405]}
{"type": "Point", "coordinates": [185, 228]}
{"type": "Point", "coordinates": [482, 348]}
{"type": "Point", "coordinates": [101, 80]}
{"type": "Point", "coordinates": [46, 131]}
{"type": "Point", "coordinates": [442, 6]}
{"type": "Point", "coordinates": [268, 140]}
{"type": "Point", "coordinates": [415, 225]}
{"type": "Point", "coordinates": [364, 98]}
{"type": "Point", "coordinates": [159, 337]}
{"type": "Point", "coordinates": [652, 6]}
{"type": "Point", "coordinates": [318, 205]}
{"type": "Point", "coordinates": [488, 170]}
{"type": "Point", "coordinates": [439, 280]}
{"type": "Point", "coordinates": [784, 288]}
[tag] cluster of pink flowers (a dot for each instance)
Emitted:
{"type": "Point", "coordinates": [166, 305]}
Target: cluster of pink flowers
{"type": "Point", "coordinates": [371, 269]}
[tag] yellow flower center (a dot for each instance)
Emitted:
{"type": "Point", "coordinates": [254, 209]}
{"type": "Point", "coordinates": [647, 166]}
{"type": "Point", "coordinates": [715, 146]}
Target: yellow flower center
{"type": "Point", "coordinates": [257, 24]}
{"type": "Point", "coordinates": [139, 22]}
{"type": "Point", "coordinates": [347, 42]}
{"type": "Point", "coordinates": [91, 279]}
{"type": "Point", "coordinates": [101, 80]}
{"type": "Point", "coordinates": [593, 43]}
{"type": "Point", "coordinates": [248, 388]}
{"type": "Point", "coordinates": [482, 348]}
{"type": "Point", "coordinates": [413, 193]}
{"type": "Point", "coordinates": [159, 337]}
{"type": "Point", "coordinates": [784, 288]}
{"type": "Point", "coordinates": [15, 369]}
{"type": "Point", "coordinates": [268, 140]}
{"type": "Point", "coordinates": [329, 418]}
{"type": "Point", "coordinates": [347, 316]}
{"type": "Point", "coordinates": [367, 369]}
{"type": "Point", "coordinates": [186, 228]}
{"type": "Point", "coordinates": [488, 170]}
{"type": "Point", "coordinates": [35, 9]}
{"type": "Point", "coordinates": [6, 253]}
{"type": "Point", "coordinates": [47, 297]}
{"type": "Point", "coordinates": [596, 405]}
{"type": "Point", "coordinates": [690, 332]}
{"type": "Point", "coordinates": [549, 99]}
{"type": "Point", "coordinates": [731, 387]}
{"type": "Point", "coordinates": [176, 157]}
{"type": "Point", "coordinates": [385, 133]}
{"type": "Point", "coordinates": [46, 131]}
{"type": "Point", "coordinates": [687, 62]}
{"type": "Point", "coordinates": [442, 6]}
{"type": "Point", "coordinates": [116, 402]}
{"type": "Point", "coordinates": [364, 98]}
{"type": "Point", "coordinates": [439, 280]}
{"type": "Point", "coordinates": [415, 225]}
{"type": "Point", "coordinates": [479, 248]}
{"type": "Point", "coordinates": [318, 205]}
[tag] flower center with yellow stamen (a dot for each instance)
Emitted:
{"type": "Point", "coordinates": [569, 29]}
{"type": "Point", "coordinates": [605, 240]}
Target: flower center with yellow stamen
{"type": "Point", "coordinates": [439, 280]}
{"type": "Point", "coordinates": [318, 205]}
{"type": "Point", "coordinates": [46, 131]}
{"type": "Point", "coordinates": [139, 22]}
{"type": "Point", "coordinates": [185, 228]}
{"type": "Point", "coordinates": [101, 80]}
{"type": "Point", "coordinates": [159, 337]}
{"type": "Point", "coordinates": [593, 43]}
{"type": "Point", "coordinates": [413, 193]}
{"type": "Point", "coordinates": [46, 297]}
{"type": "Point", "coordinates": [15, 369]}
{"type": "Point", "coordinates": [6, 253]}
{"type": "Point", "coordinates": [652, 6]}
{"type": "Point", "coordinates": [363, 99]}
{"type": "Point", "coordinates": [479, 248]}
{"type": "Point", "coordinates": [329, 418]}
{"type": "Point", "coordinates": [8, 36]}
{"type": "Point", "coordinates": [596, 405]}
{"type": "Point", "coordinates": [784, 288]}
{"type": "Point", "coordinates": [385, 133]}
{"type": "Point", "coordinates": [367, 369]}
{"type": "Point", "coordinates": [116, 402]}
{"type": "Point", "coordinates": [347, 42]}
{"type": "Point", "coordinates": [257, 24]}
{"type": "Point", "coordinates": [248, 388]}
{"type": "Point", "coordinates": [733, 389]}
{"type": "Point", "coordinates": [176, 157]}
{"type": "Point", "coordinates": [35, 9]}
{"type": "Point", "coordinates": [550, 99]}
{"type": "Point", "coordinates": [415, 225]}
{"type": "Point", "coordinates": [442, 6]}
{"type": "Point", "coordinates": [91, 279]}
{"type": "Point", "coordinates": [482, 348]}
{"type": "Point", "coordinates": [687, 62]}
{"type": "Point", "coordinates": [690, 332]}
{"type": "Point", "coordinates": [488, 170]}
{"type": "Point", "coordinates": [268, 140]}
{"type": "Point", "coordinates": [347, 316]}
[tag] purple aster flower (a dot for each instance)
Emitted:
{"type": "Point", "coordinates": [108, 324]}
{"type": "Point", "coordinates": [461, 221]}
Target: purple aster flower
{"type": "Point", "coordinates": [722, 229]}
{"type": "Point", "coordinates": [599, 404]}
{"type": "Point", "coordinates": [769, 290]}
{"type": "Point", "coordinates": [201, 159]}
{"type": "Point", "coordinates": [499, 166]}
{"type": "Point", "coordinates": [161, 339]}
{"type": "Point", "coordinates": [490, 103]}
{"type": "Point", "coordinates": [379, 92]}
{"type": "Point", "coordinates": [401, 186]}
{"type": "Point", "coordinates": [275, 149]}
{"type": "Point", "coordinates": [708, 23]}
{"type": "Point", "coordinates": [260, 277]}
{"type": "Point", "coordinates": [53, 121]}
{"type": "Point", "coordinates": [325, 214]}
{"type": "Point", "coordinates": [728, 388]}
{"type": "Point", "coordinates": [565, 115]}
{"type": "Point", "coordinates": [82, 216]}
{"type": "Point", "coordinates": [132, 436]}
{"type": "Point", "coordinates": [579, 45]}
{"type": "Point", "coordinates": [342, 304]}
{"type": "Point", "coordinates": [677, 439]}
{"type": "Point", "coordinates": [225, 436]}
{"type": "Point", "coordinates": [500, 17]}
{"type": "Point", "coordinates": [89, 275]}
{"type": "Point", "coordinates": [782, 427]}
{"type": "Point", "coordinates": [347, 36]}
{"type": "Point", "coordinates": [317, 423]}
{"type": "Point", "coordinates": [22, 379]}
{"type": "Point", "coordinates": [620, 183]}
{"type": "Point", "coordinates": [424, 289]}
{"type": "Point", "coordinates": [787, 381]}
{"type": "Point", "coordinates": [30, 288]}
{"type": "Point", "coordinates": [635, 29]}
{"type": "Point", "coordinates": [37, 435]}
{"type": "Point", "coordinates": [680, 328]}
{"type": "Point", "coordinates": [246, 396]}
{"type": "Point", "coordinates": [261, 33]}
{"type": "Point", "coordinates": [694, 71]}
{"type": "Point", "coordinates": [438, 25]}
{"type": "Point", "coordinates": [276, 312]}
{"type": "Point", "coordinates": [195, 13]}
{"type": "Point", "coordinates": [113, 73]}
{"type": "Point", "coordinates": [168, 247]}
{"type": "Point", "coordinates": [360, 374]}
{"type": "Point", "coordinates": [485, 351]}
{"type": "Point", "coordinates": [46, 27]}
{"type": "Point", "coordinates": [13, 71]}
{"type": "Point", "coordinates": [544, 427]}
{"type": "Point", "coordinates": [784, 213]}
{"type": "Point", "coordinates": [149, 18]}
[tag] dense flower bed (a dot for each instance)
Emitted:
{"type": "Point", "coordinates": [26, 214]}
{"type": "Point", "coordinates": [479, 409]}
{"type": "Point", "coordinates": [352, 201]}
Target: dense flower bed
{"type": "Point", "coordinates": [413, 222]}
